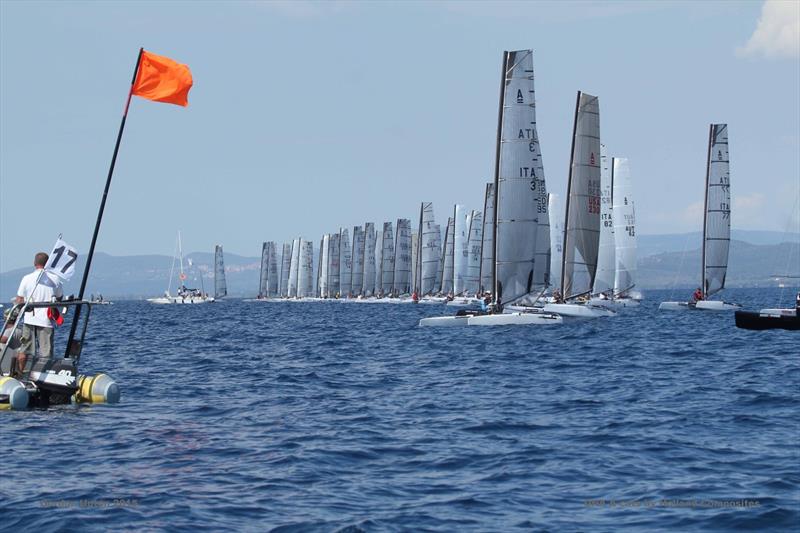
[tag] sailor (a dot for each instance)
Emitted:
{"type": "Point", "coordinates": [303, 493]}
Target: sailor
{"type": "Point", "coordinates": [557, 296]}
{"type": "Point", "coordinates": [37, 328]}
{"type": "Point", "coordinates": [486, 301]}
{"type": "Point", "coordinates": [797, 305]}
{"type": "Point", "coordinates": [10, 316]}
{"type": "Point", "coordinates": [414, 297]}
{"type": "Point", "coordinates": [697, 295]}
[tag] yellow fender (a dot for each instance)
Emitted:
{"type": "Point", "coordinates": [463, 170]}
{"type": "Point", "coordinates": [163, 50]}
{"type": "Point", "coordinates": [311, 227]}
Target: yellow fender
{"type": "Point", "coordinates": [17, 394]}
{"type": "Point", "coordinates": [97, 389]}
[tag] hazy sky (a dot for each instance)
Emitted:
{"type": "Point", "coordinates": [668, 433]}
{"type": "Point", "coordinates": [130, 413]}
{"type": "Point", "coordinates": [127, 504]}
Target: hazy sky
{"type": "Point", "coordinates": [309, 116]}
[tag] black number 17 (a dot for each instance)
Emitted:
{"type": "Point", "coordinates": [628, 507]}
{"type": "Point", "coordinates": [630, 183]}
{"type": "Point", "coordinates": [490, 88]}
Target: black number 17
{"type": "Point", "coordinates": [59, 252]}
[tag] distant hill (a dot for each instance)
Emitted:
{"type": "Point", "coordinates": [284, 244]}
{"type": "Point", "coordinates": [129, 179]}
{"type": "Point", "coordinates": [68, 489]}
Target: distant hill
{"type": "Point", "coordinates": [662, 263]}
{"type": "Point", "coordinates": [750, 265]}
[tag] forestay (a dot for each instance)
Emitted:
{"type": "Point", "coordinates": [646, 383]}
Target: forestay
{"type": "Point", "coordinates": [717, 221]}
{"type": "Point", "coordinates": [624, 216]}
{"type": "Point", "coordinates": [582, 224]}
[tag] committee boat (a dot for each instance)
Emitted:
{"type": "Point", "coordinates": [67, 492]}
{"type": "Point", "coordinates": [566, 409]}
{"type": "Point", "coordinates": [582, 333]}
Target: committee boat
{"type": "Point", "coordinates": [183, 294]}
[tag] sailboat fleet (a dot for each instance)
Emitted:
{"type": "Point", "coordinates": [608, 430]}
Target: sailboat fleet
{"type": "Point", "coordinates": [524, 258]}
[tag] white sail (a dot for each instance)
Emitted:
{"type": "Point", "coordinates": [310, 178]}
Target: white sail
{"type": "Point", "coordinates": [324, 263]}
{"type": "Point", "coordinates": [520, 178]}
{"type": "Point", "coordinates": [717, 221]}
{"type": "Point", "coordinates": [387, 259]}
{"type": "Point", "coordinates": [294, 269]}
{"type": "Point", "coordinates": [220, 285]}
{"type": "Point", "coordinates": [556, 237]}
{"type": "Point", "coordinates": [319, 283]}
{"type": "Point", "coordinates": [401, 281]}
{"type": "Point", "coordinates": [606, 255]}
{"type": "Point", "coordinates": [286, 261]}
{"type": "Point", "coordinates": [429, 250]}
{"type": "Point", "coordinates": [368, 286]}
{"type": "Point", "coordinates": [582, 223]}
{"type": "Point", "coordinates": [448, 250]}
{"type": "Point", "coordinates": [474, 252]}
{"type": "Point", "coordinates": [333, 266]}
{"type": "Point", "coordinates": [487, 242]}
{"type": "Point", "coordinates": [305, 282]}
{"type": "Point", "coordinates": [263, 278]}
{"type": "Point", "coordinates": [624, 216]}
{"type": "Point", "coordinates": [345, 264]}
{"type": "Point", "coordinates": [437, 246]}
{"type": "Point", "coordinates": [357, 275]}
{"type": "Point", "coordinates": [461, 250]}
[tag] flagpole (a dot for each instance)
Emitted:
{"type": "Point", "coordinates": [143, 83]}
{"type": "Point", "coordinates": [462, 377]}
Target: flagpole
{"type": "Point", "coordinates": [74, 326]}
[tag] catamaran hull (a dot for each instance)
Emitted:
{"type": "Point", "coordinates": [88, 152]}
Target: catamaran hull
{"type": "Point", "coordinates": [445, 321]}
{"type": "Point", "coordinates": [463, 302]}
{"type": "Point", "coordinates": [615, 303]}
{"type": "Point", "coordinates": [180, 301]}
{"type": "Point", "coordinates": [578, 310]}
{"type": "Point", "coordinates": [702, 305]}
{"type": "Point", "coordinates": [518, 318]}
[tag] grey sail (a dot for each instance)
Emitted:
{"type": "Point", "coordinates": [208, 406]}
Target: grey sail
{"type": "Point", "coordinates": [429, 251]}
{"type": "Point", "coordinates": [717, 220]}
{"type": "Point", "coordinates": [286, 261]}
{"type": "Point", "coordinates": [319, 288]}
{"type": "Point", "coordinates": [263, 278]}
{"type": "Point", "coordinates": [294, 269]}
{"type": "Point", "coordinates": [387, 258]}
{"type": "Point", "coordinates": [582, 222]}
{"type": "Point", "coordinates": [401, 282]}
{"type": "Point", "coordinates": [333, 266]}
{"type": "Point", "coordinates": [324, 265]}
{"type": "Point", "coordinates": [606, 255]}
{"type": "Point", "coordinates": [460, 250]}
{"type": "Point", "coordinates": [487, 242]}
{"type": "Point", "coordinates": [220, 285]}
{"type": "Point", "coordinates": [448, 249]}
{"type": "Point", "coordinates": [368, 286]}
{"type": "Point", "coordinates": [520, 178]}
{"type": "Point", "coordinates": [345, 264]}
{"type": "Point", "coordinates": [357, 275]}
{"type": "Point", "coordinates": [378, 261]}
{"type": "Point", "coordinates": [624, 216]}
{"type": "Point", "coordinates": [556, 216]}
{"type": "Point", "coordinates": [305, 282]}
{"type": "Point", "coordinates": [272, 278]}
{"type": "Point", "coordinates": [437, 281]}
{"type": "Point", "coordinates": [474, 252]}
{"type": "Point", "coordinates": [415, 267]}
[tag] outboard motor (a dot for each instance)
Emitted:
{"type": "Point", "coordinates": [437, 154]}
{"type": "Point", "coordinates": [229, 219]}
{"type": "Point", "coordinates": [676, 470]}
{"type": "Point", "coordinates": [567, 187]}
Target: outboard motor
{"type": "Point", "coordinates": [56, 379]}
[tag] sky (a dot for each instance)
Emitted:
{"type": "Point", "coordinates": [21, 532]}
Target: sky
{"type": "Point", "coordinates": [308, 116]}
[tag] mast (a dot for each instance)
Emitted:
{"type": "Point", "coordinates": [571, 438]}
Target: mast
{"type": "Point", "coordinates": [180, 258]}
{"type": "Point", "coordinates": [705, 213]}
{"type": "Point", "coordinates": [503, 73]}
{"type": "Point", "coordinates": [418, 264]}
{"type": "Point", "coordinates": [569, 188]}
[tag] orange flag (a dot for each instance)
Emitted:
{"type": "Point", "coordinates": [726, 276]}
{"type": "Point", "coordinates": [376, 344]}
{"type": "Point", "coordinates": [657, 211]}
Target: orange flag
{"type": "Point", "coordinates": [161, 79]}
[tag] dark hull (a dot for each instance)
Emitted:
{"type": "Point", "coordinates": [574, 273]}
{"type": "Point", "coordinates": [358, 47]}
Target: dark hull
{"type": "Point", "coordinates": [752, 320]}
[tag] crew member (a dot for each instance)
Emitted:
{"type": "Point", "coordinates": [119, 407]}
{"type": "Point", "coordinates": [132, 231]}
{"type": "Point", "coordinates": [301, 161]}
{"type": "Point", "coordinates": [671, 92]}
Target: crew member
{"type": "Point", "coordinates": [697, 295]}
{"type": "Point", "coordinates": [37, 328]}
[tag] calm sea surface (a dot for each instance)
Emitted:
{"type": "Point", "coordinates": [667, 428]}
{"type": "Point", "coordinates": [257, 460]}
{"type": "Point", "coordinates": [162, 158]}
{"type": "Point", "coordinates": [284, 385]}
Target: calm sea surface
{"type": "Point", "coordinates": [345, 417]}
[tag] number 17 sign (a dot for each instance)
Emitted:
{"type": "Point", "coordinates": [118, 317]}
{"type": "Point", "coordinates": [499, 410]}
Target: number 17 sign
{"type": "Point", "coordinates": [62, 260]}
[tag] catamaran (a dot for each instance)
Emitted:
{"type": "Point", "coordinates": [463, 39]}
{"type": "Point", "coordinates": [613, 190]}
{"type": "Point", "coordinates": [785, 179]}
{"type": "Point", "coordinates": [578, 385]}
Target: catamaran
{"type": "Point", "coordinates": [520, 187]}
{"type": "Point", "coordinates": [184, 294]}
{"type": "Point", "coordinates": [716, 227]}
{"type": "Point", "coordinates": [582, 218]}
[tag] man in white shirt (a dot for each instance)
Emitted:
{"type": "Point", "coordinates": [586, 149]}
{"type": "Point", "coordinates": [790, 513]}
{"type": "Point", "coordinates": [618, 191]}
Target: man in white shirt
{"type": "Point", "coordinates": [36, 322]}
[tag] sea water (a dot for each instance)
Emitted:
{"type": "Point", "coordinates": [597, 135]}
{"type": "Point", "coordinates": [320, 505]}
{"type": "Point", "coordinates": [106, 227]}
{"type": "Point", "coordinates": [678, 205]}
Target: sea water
{"type": "Point", "coordinates": [328, 416]}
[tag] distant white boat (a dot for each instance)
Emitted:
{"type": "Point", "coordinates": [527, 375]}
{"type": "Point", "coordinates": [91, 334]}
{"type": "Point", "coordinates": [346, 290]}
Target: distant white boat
{"type": "Point", "coordinates": [716, 227]}
{"type": "Point", "coordinates": [184, 294]}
